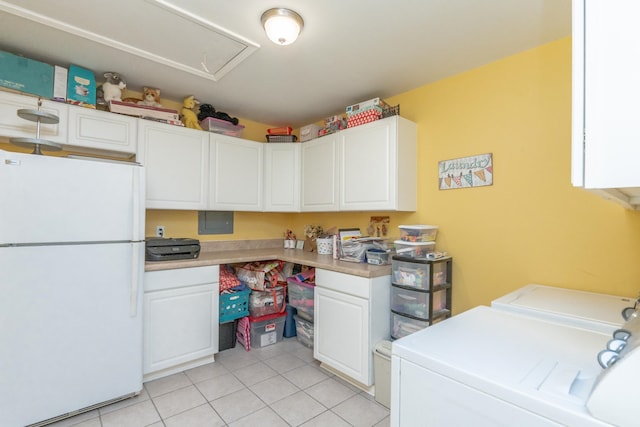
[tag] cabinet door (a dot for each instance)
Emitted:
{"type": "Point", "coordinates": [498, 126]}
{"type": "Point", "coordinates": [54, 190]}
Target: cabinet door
{"type": "Point", "coordinates": [341, 333]}
{"type": "Point", "coordinates": [378, 166]}
{"type": "Point", "coordinates": [606, 92]}
{"type": "Point", "coordinates": [320, 175]}
{"type": "Point", "coordinates": [282, 177]}
{"type": "Point", "coordinates": [102, 130]}
{"type": "Point", "coordinates": [13, 126]}
{"type": "Point", "coordinates": [235, 178]}
{"type": "Point", "coordinates": [176, 164]}
{"type": "Point", "coordinates": [180, 325]}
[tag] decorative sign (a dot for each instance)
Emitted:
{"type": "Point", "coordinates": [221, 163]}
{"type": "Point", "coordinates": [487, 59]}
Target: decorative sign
{"type": "Point", "coordinates": [466, 172]}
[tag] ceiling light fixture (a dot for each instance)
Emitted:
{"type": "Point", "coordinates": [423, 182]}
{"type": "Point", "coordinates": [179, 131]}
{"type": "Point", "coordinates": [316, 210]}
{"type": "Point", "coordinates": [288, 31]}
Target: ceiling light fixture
{"type": "Point", "coordinates": [282, 25]}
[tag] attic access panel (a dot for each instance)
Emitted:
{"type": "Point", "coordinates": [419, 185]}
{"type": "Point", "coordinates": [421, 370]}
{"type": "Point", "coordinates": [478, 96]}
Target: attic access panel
{"type": "Point", "coordinates": [157, 30]}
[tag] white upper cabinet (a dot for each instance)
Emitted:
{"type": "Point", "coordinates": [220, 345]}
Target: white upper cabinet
{"type": "Point", "coordinates": [235, 177]}
{"type": "Point", "coordinates": [101, 130]}
{"type": "Point", "coordinates": [12, 126]}
{"type": "Point", "coordinates": [282, 177]}
{"type": "Point", "coordinates": [320, 163]}
{"type": "Point", "coordinates": [606, 90]}
{"type": "Point", "coordinates": [378, 166]}
{"type": "Point", "coordinates": [176, 161]}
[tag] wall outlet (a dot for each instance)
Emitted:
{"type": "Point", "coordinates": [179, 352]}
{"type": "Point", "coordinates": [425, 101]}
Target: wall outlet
{"type": "Point", "coordinates": [160, 231]}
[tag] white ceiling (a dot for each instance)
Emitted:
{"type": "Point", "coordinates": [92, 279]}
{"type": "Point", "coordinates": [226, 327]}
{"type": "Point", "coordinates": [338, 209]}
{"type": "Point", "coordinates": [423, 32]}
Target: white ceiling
{"type": "Point", "coordinates": [349, 51]}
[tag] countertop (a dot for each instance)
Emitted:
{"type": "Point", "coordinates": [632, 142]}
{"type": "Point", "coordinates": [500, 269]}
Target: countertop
{"type": "Point", "coordinates": [229, 252]}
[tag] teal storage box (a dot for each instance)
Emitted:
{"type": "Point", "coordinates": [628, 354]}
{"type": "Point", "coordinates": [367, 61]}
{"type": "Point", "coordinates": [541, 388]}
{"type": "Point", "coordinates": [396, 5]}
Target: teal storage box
{"type": "Point", "coordinates": [26, 75]}
{"type": "Point", "coordinates": [81, 87]}
{"type": "Point", "coordinates": [234, 305]}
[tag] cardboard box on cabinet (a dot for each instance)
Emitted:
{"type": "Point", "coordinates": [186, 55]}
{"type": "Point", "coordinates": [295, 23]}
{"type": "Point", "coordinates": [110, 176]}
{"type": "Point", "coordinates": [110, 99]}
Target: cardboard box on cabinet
{"type": "Point", "coordinates": [309, 132]}
{"type": "Point", "coordinates": [26, 75]}
{"type": "Point", "coordinates": [81, 87]}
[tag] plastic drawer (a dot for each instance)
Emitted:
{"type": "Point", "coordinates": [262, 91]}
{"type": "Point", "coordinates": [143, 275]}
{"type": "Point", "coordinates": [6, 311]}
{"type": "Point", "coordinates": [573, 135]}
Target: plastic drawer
{"type": "Point", "coordinates": [416, 302]}
{"type": "Point", "coordinates": [416, 274]}
{"type": "Point", "coordinates": [401, 326]}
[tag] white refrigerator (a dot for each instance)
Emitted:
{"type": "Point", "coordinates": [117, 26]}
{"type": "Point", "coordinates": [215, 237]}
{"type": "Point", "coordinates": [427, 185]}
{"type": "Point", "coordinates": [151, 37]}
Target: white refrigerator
{"type": "Point", "coordinates": [71, 270]}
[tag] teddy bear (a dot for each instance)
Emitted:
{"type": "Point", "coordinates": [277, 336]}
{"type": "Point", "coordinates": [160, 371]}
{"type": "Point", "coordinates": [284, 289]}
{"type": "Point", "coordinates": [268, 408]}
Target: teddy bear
{"type": "Point", "coordinates": [150, 97]}
{"type": "Point", "coordinates": [187, 115]}
{"type": "Point", "coordinates": [111, 89]}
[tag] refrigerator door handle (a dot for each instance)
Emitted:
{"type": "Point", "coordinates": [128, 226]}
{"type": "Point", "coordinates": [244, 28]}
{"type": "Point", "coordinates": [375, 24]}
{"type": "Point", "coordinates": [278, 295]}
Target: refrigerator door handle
{"type": "Point", "coordinates": [135, 282]}
{"type": "Point", "coordinates": [138, 213]}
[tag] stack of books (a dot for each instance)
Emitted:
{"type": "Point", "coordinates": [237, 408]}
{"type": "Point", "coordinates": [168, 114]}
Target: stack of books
{"type": "Point", "coordinates": [164, 115]}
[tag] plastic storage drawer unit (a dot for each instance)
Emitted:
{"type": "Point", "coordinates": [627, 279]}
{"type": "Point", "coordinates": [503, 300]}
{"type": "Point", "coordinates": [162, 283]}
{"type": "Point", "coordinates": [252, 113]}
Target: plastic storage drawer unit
{"type": "Point", "coordinates": [266, 330]}
{"type": "Point", "coordinates": [416, 302]}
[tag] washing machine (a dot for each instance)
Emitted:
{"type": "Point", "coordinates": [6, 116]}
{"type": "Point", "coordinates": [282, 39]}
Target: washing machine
{"type": "Point", "coordinates": [489, 367]}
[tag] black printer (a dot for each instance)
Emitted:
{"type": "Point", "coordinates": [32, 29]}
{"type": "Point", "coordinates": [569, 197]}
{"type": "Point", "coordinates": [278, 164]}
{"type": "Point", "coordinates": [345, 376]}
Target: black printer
{"type": "Point", "coordinates": [169, 249]}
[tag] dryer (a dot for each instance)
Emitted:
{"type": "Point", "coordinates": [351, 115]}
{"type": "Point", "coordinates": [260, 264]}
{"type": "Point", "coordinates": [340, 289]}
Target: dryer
{"type": "Point", "coordinates": [590, 310]}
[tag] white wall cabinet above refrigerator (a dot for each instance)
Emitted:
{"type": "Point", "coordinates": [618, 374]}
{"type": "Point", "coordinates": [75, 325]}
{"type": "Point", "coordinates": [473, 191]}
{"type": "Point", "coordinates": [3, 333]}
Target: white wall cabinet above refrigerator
{"type": "Point", "coordinates": [12, 126]}
{"type": "Point", "coordinates": [378, 166]}
{"type": "Point", "coordinates": [176, 161]}
{"type": "Point", "coordinates": [606, 89]}
{"type": "Point", "coordinates": [235, 174]}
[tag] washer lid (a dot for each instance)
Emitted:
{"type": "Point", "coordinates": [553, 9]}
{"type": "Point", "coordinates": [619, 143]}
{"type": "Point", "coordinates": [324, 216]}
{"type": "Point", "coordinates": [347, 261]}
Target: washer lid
{"type": "Point", "coordinates": [584, 309]}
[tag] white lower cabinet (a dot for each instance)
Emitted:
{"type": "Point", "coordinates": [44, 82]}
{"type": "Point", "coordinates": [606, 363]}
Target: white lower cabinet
{"type": "Point", "coordinates": [180, 319]}
{"type": "Point", "coordinates": [176, 161]}
{"type": "Point", "coordinates": [351, 317]}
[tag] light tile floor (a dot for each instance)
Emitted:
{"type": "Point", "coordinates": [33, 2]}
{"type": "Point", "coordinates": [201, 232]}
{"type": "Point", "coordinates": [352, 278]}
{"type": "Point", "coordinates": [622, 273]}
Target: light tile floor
{"type": "Point", "coordinates": [277, 385]}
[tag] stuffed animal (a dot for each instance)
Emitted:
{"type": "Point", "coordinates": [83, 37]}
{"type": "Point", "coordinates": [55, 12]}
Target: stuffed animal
{"type": "Point", "coordinates": [187, 115]}
{"type": "Point", "coordinates": [111, 89]}
{"type": "Point", "coordinates": [207, 110]}
{"type": "Point", "coordinates": [150, 97]}
{"type": "Point", "coordinates": [312, 232]}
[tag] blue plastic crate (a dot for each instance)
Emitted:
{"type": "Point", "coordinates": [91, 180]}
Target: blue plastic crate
{"type": "Point", "coordinates": [234, 305]}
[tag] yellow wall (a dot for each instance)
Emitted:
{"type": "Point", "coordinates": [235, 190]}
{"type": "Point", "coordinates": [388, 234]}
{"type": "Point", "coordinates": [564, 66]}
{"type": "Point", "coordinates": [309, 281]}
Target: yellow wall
{"type": "Point", "coordinates": [531, 225]}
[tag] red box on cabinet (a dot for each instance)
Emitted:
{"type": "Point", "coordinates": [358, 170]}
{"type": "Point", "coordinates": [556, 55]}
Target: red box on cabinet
{"type": "Point", "coordinates": [363, 117]}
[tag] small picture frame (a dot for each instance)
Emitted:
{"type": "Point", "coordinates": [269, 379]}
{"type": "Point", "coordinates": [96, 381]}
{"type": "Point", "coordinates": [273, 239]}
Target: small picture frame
{"type": "Point", "coordinates": [300, 244]}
